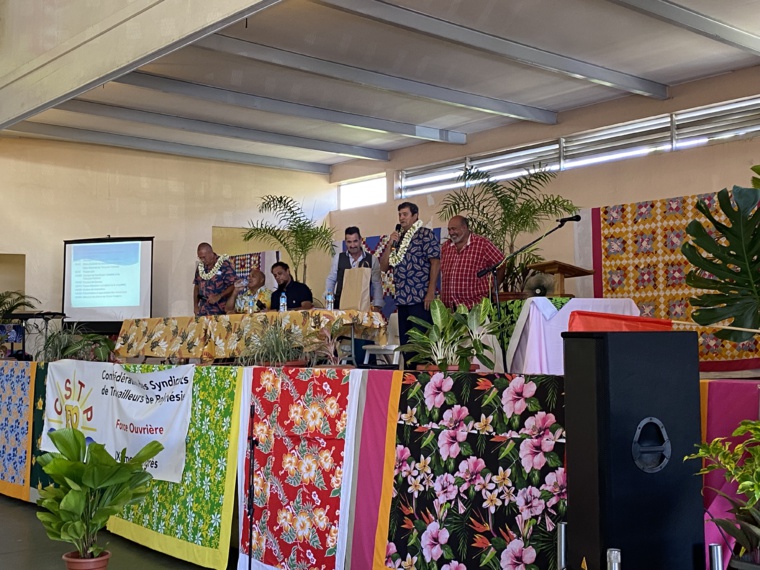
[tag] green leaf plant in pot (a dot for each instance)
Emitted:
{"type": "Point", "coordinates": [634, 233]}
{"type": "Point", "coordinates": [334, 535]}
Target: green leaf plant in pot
{"type": "Point", "coordinates": [741, 464]}
{"type": "Point", "coordinates": [454, 338]}
{"type": "Point", "coordinates": [326, 343]}
{"type": "Point", "coordinates": [89, 487]}
{"type": "Point", "coordinates": [74, 341]}
{"type": "Point", "coordinates": [276, 343]}
{"type": "Point", "coordinates": [727, 263]}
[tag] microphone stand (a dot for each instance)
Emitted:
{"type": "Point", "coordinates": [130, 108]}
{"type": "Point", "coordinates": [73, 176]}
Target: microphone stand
{"type": "Point", "coordinates": [493, 270]}
{"type": "Point", "coordinates": [251, 479]}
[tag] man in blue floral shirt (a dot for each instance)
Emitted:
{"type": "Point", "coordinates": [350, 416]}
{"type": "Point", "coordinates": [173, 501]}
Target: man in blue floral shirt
{"type": "Point", "coordinates": [213, 283]}
{"type": "Point", "coordinates": [416, 262]}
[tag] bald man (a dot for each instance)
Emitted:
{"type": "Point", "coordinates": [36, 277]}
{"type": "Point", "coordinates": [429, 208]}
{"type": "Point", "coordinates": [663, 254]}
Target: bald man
{"type": "Point", "coordinates": [252, 298]}
{"type": "Point", "coordinates": [461, 258]}
{"type": "Point", "coordinates": [214, 282]}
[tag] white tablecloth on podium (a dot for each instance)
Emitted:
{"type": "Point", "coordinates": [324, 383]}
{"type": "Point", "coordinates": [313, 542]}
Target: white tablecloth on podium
{"type": "Point", "coordinates": [536, 343]}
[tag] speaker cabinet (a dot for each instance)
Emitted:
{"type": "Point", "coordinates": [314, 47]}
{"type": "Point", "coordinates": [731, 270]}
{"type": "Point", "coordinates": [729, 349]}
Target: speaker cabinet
{"type": "Point", "coordinates": [632, 414]}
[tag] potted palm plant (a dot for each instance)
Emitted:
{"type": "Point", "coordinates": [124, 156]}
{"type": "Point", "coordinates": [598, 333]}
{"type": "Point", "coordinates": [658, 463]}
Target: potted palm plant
{"type": "Point", "coordinates": [741, 464]}
{"type": "Point", "coordinates": [726, 263]}
{"type": "Point", "coordinates": [89, 487]}
{"type": "Point", "coordinates": [454, 338]}
{"type": "Point", "coordinates": [503, 211]}
{"type": "Point", "coordinates": [12, 301]}
{"type": "Point", "coordinates": [294, 231]}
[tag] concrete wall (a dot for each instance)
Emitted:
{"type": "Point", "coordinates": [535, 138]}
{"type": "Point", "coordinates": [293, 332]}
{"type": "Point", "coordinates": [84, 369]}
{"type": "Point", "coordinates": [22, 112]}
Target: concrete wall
{"type": "Point", "coordinates": [53, 191]}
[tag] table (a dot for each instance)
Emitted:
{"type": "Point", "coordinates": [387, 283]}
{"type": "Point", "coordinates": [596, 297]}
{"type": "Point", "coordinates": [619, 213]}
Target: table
{"type": "Point", "coordinates": [223, 336]}
{"type": "Point", "coordinates": [535, 346]}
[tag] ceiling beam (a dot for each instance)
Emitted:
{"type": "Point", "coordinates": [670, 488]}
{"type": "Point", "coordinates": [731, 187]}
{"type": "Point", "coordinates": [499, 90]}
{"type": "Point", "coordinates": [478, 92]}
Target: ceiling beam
{"type": "Point", "coordinates": [695, 22]}
{"type": "Point", "coordinates": [187, 40]}
{"type": "Point", "coordinates": [219, 130]}
{"type": "Point", "coordinates": [255, 102]}
{"type": "Point", "coordinates": [448, 31]}
{"type": "Point", "coordinates": [375, 79]}
{"type": "Point", "coordinates": [152, 145]}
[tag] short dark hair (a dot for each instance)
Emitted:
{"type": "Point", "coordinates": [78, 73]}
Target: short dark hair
{"type": "Point", "coordinates": [465, 221]}
{"type": "Point", "coordinates": [412, 207]}
{"type": "Point", "coordinates": [351, 230]}
{"type": "Point", "coordinates": [282, 264]}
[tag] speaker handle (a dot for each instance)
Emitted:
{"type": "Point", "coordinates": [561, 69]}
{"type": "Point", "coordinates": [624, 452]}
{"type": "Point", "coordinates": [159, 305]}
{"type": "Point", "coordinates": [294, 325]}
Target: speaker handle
{"type": "Point", "coordinates": [651, 458]}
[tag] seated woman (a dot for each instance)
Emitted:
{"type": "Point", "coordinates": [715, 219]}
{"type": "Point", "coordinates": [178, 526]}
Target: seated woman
{"type": "Point", "coordinates": [251, 298]}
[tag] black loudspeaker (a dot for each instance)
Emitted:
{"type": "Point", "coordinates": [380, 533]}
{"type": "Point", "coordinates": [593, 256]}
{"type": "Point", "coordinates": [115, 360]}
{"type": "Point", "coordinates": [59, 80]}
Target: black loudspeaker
{"type": "Point", "coordinates": [632, 414]}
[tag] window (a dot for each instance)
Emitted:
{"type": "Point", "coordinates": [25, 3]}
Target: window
{"type": "Point", "coordinates": [362, 193]}
{"type": "Point", "coordinates": [663, 133]}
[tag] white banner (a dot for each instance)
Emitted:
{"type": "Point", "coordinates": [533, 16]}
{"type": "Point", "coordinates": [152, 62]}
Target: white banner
{"type": "Point", "coordinates": [123, 409]}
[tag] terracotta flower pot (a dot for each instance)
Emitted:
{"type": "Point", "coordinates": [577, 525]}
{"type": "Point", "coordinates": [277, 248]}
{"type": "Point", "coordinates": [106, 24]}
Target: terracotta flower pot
{"type": "Point", "coordinates": [73, 562]}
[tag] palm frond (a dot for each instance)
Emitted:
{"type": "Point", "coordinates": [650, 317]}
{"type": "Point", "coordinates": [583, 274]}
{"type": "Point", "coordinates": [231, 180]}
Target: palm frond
{"type": "Point", "coordinates": [287, 211]}
{"type": "Point", "coordinates": [502, 211]}
{"type": "Point", "coordinates": [12, 301]}
{"type": "Point", "coordinates": [295, 232]}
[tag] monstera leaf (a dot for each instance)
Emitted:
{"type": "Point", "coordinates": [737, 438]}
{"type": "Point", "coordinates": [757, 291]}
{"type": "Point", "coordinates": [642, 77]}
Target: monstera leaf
{"type": "Point", "coordinates": [732, 260]}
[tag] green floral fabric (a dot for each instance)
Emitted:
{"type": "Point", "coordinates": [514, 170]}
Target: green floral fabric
{"type": "Point", "coordinates": [191, 510]}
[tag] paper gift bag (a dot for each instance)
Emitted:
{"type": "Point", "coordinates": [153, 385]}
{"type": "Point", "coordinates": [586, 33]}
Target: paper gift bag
{"type": "Point", "coordinates": [355, 293]}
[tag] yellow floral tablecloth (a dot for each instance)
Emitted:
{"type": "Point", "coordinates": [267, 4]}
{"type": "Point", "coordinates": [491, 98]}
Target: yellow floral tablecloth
{"type": "Point", "coordinates": [223, 336]}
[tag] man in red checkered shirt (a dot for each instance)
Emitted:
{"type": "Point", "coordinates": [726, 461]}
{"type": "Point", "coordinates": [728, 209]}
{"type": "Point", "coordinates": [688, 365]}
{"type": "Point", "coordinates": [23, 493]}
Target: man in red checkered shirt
{"type": "Point", "coordinates": [461, 258]}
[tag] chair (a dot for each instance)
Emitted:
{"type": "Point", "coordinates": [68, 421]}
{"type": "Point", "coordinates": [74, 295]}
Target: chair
{"type": "Point", "coordinates": [386, 350]}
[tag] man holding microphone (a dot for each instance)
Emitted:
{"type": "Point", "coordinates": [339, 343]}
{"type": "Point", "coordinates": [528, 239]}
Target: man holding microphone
{"type": "Point", "coordinates": [414, 253]}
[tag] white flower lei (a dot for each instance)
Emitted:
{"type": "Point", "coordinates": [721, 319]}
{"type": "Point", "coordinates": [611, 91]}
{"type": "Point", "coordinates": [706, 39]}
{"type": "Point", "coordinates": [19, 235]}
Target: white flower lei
{"type": "Point", "coordinates": [398, 254]}
{"type": "Point", "coordinates": [210, 274]}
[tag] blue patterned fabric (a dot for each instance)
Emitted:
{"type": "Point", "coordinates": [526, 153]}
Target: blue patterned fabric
{"type": "Point", "coordinates": [412, 275]}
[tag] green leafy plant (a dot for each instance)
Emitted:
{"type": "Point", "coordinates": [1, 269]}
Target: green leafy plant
{"type": "Point", "coordinates": [89, 487]}
{"type": "Point", "coordinates": [454, 337]}
{"type": "Point", "coordinates": [12, 301]}
{"type": "Point", "coordinates": [503, 211]}
{"type": "Point", "coordinates": [727, 261]}
{"type": "Point", "coordinates": [327, 341]}
{"type": "Point", "coordinates": [75, 342]}
{"type": "Point", "coordinates": [755, 179]}
{"type": "Point", "coordinates": [275, 343]}
{"type": "Point", "coordinates": [741, 463]}
{"type": "Point", "coordinates": [295, 231]}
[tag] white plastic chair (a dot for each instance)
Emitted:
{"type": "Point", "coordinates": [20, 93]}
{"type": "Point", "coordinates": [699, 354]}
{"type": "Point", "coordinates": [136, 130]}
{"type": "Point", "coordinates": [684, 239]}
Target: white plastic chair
{"type": "Point", "coordinates": [387, 351]}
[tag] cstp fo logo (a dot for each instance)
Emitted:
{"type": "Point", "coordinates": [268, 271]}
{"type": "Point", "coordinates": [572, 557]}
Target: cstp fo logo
{"type": "Point", "coordinates": [70, 408]}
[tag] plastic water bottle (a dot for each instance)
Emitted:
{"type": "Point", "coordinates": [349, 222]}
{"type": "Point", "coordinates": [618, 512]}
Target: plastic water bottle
{"type": "Point", "coordinates": [251, 308]}
{"type": "Point", "coordinates": [283, 302]}
{"type": "Point", "coordinates": [329, 300]}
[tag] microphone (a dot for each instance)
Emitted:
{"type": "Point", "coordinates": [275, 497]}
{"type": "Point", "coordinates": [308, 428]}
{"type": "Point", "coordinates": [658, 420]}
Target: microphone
{"type": "Point", "coordinates": [394, 245]}
{"type": "Point", "coordinates": [488, 269]}
{"type": "Point", "coordinates": [575, 218]}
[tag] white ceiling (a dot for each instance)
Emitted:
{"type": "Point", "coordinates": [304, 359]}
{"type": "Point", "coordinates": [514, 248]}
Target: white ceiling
{"type": "Point", "coordinates": [307, 84]}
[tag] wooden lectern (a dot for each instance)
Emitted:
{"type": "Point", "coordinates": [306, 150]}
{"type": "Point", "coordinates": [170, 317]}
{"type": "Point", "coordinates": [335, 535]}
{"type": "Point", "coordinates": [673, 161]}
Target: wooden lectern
{"type": "Point", "coordinates": [561, 271]}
